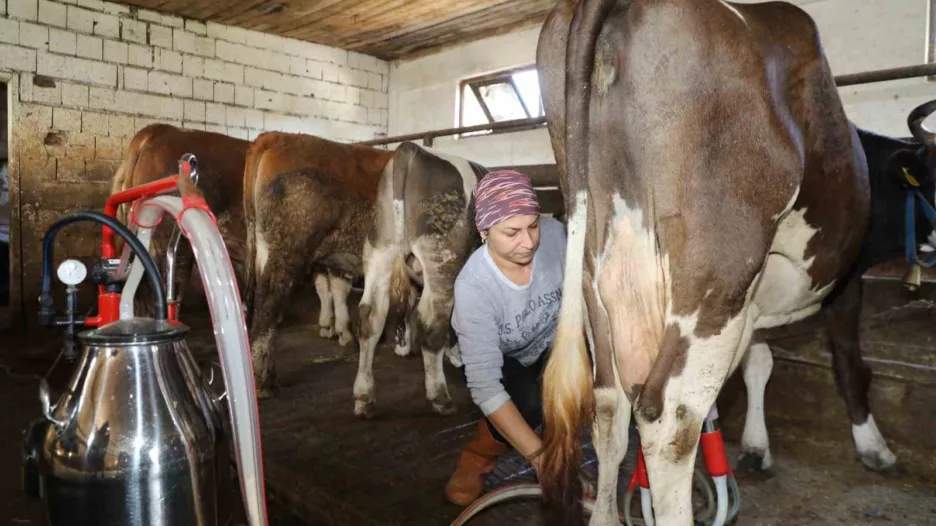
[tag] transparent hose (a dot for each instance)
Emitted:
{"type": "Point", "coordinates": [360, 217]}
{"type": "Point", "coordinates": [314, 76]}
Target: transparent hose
{"type": "Point", "coordinates": [721, 488]}
{"type": "Point", "coordinates": [646, 506]}
{"type": "Point", "coordinates": [135, 275]}
{"type": "Point", "coordinates": [230, 333]}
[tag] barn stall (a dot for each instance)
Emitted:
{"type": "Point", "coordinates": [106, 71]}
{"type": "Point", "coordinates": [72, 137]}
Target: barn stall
{"type": "Point", "coordinates": [82, 78]}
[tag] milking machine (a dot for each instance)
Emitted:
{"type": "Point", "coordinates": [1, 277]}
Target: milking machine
{"type": "Point", "coordinates": [721, 507]}
{"type": "Point", "coordinates": [134, 437]}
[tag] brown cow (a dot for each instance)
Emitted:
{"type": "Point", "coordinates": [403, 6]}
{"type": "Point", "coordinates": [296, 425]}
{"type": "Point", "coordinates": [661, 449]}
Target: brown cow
{"type": "Point", "coordinates": [154, 153]}
{"type": "Point", "coordinates": [308, 205]}
{"type": "Point", "coordinates": [713, 186]}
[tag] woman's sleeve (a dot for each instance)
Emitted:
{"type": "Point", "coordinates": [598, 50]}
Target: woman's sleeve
{"type": "Point", "coordinates": [476, 326]}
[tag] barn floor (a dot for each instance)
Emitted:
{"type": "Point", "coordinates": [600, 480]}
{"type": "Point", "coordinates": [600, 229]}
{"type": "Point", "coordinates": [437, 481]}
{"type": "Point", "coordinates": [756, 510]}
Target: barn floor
{"type": "Point", "coordinates": [324, 466]}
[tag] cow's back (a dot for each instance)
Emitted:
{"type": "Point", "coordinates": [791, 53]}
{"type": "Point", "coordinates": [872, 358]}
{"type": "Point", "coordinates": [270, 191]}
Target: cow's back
{"type": "Point", "coordinates": [220, 157]}
{"type": "Point", "coordinates": [302, 186]}
{"type": "Point", "coordinates": [353, 168]}
{"type": "Point", "coordinates": [437, 192]}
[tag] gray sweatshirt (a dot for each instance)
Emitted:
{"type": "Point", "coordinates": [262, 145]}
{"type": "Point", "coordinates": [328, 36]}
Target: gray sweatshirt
{"type": "Point", "coordinates": [493, 317]}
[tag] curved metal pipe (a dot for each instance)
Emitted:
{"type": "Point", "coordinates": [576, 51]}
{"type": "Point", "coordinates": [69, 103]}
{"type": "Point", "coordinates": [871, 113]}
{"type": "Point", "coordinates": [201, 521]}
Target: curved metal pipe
{"type": "Point", "coordinates": [45, 299]}
{"type": "Point", "coordinates": [915, 122]}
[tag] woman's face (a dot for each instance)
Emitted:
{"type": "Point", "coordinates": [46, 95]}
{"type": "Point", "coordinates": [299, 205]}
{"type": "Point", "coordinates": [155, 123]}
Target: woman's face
{"type": "Point", "coordinates": [515, 239]}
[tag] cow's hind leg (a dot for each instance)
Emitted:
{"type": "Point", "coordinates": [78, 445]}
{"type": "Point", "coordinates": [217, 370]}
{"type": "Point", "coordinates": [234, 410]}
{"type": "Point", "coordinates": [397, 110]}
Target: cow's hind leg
{"type": "Point", "coordinates": [326, 319]}
{"type": "Point", "coordinates": [374, 307]}
{"type": "Point", "coordinates": [612, 419]}
{"type": "Point", "coordinates": [755, 443]}
{"type": "Point", "coordinates": [275, 281]}
{"type": "Point", "coordinates": [853, 376]}
{"type": "Point", "coordinates": [673, 405]}
{"type": "Point", "coordinates": [340, 290]}
{"type": "Point", "coordinates": [432, 323]}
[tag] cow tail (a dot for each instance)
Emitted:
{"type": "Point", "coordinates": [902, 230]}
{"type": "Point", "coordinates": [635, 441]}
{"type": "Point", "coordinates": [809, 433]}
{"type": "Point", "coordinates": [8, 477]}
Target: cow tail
{"type": "Point", "coordinates": [568, 397]}
{"type": "Point", "coordinates": [401, 287]}
{"type": "Point", "coordinates": [251, 167]}
{"type": "Point", "coordinates": [123, 177]}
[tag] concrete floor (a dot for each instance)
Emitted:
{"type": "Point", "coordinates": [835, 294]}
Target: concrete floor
{"type": "Point", "coordinates": [324, 466]}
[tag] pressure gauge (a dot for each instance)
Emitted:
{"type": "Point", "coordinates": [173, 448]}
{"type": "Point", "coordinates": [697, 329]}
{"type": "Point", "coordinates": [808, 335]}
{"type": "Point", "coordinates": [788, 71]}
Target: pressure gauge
{"type": "Point", "coordinates": [72, 272]}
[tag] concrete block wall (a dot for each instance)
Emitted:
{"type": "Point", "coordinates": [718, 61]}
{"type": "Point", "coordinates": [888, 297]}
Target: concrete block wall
{"type": "Point", "coordinates": [86, 75]}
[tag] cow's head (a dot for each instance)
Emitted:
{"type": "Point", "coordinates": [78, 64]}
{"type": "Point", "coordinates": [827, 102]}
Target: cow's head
{"type": "Point", "coordinates": [927, 161]}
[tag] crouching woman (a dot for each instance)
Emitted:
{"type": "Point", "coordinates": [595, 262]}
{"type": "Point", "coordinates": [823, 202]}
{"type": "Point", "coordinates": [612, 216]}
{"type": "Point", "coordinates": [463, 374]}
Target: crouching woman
{"type": "Point", "coordinates": [507, 299]}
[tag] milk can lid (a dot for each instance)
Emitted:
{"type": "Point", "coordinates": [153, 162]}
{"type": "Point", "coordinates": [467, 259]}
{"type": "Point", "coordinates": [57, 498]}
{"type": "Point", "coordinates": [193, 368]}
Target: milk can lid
{"type": "Point", "coordinates": [135, 331]}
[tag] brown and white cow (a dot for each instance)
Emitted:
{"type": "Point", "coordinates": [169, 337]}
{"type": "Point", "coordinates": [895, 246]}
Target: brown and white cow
{"type": "Point", "coordinates": [423, 233]}
{"type": "Point", "coordinates": [154, 153]}
{"type": "Point", "coordinates": [886, 157]}
{"type": "Point", "coordinates": [713, 186]}
{"type": "Point", "coordinates": [308, 205]}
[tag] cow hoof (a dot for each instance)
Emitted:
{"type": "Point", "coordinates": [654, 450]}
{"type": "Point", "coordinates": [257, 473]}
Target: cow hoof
{"type": "Point", "coordinates": [756, 462]}
{"type": "Point", "coordinates": [444, 408]}
{"type": "Point", "coordinates": [402, 351]}
{"type": "Point", "coordinates": [881, 461]}
{"type": "Point", "coordinates": [345, 338]}
{"type": "Point", "coordinates": [327, 332]}
{"type": "Point", "coordinates": [364, 408]}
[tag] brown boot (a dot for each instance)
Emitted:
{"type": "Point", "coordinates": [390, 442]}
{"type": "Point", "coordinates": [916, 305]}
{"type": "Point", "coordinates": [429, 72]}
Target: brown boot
{"type": "Point", "coordinates": [475, 461]}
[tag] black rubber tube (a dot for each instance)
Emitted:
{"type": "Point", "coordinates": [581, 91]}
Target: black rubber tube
{"type": "Point", "coordinates": [89, 215]}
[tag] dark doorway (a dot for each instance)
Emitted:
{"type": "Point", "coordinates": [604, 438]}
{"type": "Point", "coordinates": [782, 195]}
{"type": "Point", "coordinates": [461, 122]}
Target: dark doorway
{"type": "Point", "coordinates": [5, 210]}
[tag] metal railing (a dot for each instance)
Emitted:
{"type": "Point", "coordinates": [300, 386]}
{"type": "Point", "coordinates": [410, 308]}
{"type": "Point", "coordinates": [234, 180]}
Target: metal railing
{"type": "Point", "coordinates": [852, 79]}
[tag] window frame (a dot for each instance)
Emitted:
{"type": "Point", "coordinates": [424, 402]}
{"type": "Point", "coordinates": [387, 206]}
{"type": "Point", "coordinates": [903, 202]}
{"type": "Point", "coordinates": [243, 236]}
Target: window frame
{"type": "Point", "coordinates": [930, 53]}
{"type": "Point", "coordinates": [504, 76]}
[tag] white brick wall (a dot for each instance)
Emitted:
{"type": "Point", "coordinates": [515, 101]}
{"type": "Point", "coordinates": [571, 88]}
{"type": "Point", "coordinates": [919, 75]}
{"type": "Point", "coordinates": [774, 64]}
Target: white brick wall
{"type": "Point", "coordinates": [107, 71]}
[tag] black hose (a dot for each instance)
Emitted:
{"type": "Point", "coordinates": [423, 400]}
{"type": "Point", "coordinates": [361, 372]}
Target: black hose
{"type": "Point", "coordinates": [45, 300]}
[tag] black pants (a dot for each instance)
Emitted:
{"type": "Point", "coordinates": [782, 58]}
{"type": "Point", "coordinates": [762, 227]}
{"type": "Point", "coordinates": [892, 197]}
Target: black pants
{"type": "Point", "coordinates": [523, 385]}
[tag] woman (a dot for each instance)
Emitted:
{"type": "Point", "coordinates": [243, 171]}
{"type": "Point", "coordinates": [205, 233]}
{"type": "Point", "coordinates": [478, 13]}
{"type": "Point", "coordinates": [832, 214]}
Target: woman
{"type": "Point", "coordinates": [507, 300]}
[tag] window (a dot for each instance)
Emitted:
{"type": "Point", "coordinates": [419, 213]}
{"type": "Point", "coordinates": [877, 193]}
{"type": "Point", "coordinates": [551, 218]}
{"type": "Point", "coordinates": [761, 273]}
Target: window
{"type": "Point", "coordinates": [503, 96]}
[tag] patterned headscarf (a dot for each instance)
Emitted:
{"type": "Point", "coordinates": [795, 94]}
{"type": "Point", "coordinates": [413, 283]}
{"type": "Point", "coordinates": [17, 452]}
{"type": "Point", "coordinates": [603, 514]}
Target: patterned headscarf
{"type": "Point", "coordinates": [501, 195]}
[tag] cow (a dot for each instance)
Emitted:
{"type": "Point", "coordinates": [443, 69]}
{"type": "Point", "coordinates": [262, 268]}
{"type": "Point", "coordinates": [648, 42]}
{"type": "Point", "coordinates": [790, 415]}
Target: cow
{"type": "Point", "coordinates": [423, 233]}
{"type": "Point", "coordinates": [887, 157]}
{"type": "Point", "coordinates": [154, 153]}
{"type": "Point", "coordinates": [713, 187]}
{"type": "Point", "coordinates": [308, 205]}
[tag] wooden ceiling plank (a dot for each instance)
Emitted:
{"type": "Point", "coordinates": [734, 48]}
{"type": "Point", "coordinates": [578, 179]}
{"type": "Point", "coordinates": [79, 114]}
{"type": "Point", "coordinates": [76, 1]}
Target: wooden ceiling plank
{"type": "Point", "coordinates": [377, 14]}
{"type": "Point", "coordinates": [492, 13]}
{"type": "Point", "coordinates": [450, 37]}
{"type": "Point", "coordinates": [383, 28]}
{"type": "Point", "coordinates": [492, 10]}
{"type": "Point", "coordinates": [224, 10]}
{"type": "Point", "coordinates": [296, 11]}
{"type": "Point", "coordinates": [321, 24]}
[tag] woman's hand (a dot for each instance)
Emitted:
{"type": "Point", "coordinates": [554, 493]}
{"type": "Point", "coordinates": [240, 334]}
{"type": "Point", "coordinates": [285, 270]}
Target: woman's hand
{"type": "Point", "coordinates": [535, 461]}
{"type": "Point", "coordinates": [510, 423]}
